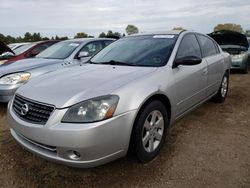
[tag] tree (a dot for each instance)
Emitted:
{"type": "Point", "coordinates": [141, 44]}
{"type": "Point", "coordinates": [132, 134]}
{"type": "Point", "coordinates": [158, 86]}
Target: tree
{"type": "Point", "coordinates": [45, 38]}
{"type": "Point", "coordinates": [10, 39]}
{"type": "Point", "coordinates": [110, 33]}
{"type": "Point", "coordinates": [131, 29]}
{"type": "Point", "coordinates": [102, 35]}
{"type": "Point", "coordinates": [115, 35]}
{"type": "Point", "coordinates": [81, 35]}
{"type": "Point", "coordinates": [64, 38]}
{"type": "Point", "coordinates": [179, 28]}
{"type": "Point", "coordinates": [27, 37]}
{"type": "Point", "coordinates": [36, 37]}
{"type": "Point", "coordinates": [229, 26]}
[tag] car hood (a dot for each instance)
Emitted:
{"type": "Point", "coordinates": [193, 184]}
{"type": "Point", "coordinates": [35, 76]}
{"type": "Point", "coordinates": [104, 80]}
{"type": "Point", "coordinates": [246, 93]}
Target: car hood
{"type": "Point", "coordinates": [4, 48]}
{"type": "Point", "coordinates": [225, 37]}
{"type": "Point", "coordinates": [26, 65]}
{"type": "Point", "coordinates": [73, 85]}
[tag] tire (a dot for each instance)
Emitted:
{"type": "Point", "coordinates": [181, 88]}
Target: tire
{"type": "Point", "coordinates": [223, 90]}
{"type": "Point", "coordinates": [154, 135]}
{"type": "Point", "coordinates": [245, 71]}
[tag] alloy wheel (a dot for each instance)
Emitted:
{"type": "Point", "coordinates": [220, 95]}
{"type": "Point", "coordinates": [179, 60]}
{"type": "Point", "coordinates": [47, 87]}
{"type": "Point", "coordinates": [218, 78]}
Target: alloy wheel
{"type": "Point", "coordinates": [152, 132]}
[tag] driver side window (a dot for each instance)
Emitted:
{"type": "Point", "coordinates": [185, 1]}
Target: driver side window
{"type": "Point", "coordinates": [189, 47]}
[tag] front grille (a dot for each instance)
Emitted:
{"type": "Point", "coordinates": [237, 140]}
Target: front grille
{"type": "Point", "coordinates": [32, 111]}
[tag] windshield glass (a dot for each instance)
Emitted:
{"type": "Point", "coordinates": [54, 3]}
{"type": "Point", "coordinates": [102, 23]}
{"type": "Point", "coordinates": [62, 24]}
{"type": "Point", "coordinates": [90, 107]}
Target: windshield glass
{"type": "Point", "coordinates": [150, 50]}
{"type": "Point", "coordinates": [59, 50]}
{"type": "Point", "coordinates": [23, 48]}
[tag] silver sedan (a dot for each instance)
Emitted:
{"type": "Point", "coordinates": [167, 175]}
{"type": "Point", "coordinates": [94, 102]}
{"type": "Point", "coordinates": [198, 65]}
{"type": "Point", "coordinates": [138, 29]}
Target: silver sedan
{"type": "Point", "coordinates": [127, 96]}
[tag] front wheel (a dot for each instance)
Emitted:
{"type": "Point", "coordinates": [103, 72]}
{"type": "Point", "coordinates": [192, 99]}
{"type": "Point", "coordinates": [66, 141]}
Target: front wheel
{"type": "Point", "coordinates": [222, 93]}
{"type": "Point", "coordinates": [150, 131]}
{"type": "Point", "coordinates": [245, 71]}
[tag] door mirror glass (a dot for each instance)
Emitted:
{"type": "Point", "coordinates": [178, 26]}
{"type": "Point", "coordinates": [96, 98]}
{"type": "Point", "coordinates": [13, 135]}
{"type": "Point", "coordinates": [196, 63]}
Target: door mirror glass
{"type": "Point", "coordinates": [187, 61]}
{"type": "Point", "coordinates": [83, 54]}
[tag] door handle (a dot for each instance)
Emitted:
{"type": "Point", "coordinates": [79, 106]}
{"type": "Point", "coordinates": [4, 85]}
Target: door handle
{"type": "Point", "coordinates": [205, 71]}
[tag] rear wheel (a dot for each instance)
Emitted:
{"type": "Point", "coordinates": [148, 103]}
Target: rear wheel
{"type": "Point", "coordinates": [150, 131]}
{"type": "Point", "coordinates": [222, 93]}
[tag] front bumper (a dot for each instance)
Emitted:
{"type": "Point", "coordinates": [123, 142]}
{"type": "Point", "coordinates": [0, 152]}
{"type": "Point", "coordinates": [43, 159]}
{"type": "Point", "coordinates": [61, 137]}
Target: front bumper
{"type": "Point", "coordinates": [238, 64]}
{"type": "Point", "coordinates": [78, 145]}
{"type": "Point", "coordinates": [7, 92]}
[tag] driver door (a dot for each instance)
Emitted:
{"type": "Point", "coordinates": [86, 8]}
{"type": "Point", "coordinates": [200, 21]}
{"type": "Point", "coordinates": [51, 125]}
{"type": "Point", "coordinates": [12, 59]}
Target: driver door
{"type": "Point", "coordinates": [191, 80]}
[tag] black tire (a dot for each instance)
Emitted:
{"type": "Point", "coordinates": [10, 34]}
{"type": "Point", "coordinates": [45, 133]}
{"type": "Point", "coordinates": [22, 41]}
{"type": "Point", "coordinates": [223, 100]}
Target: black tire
{"type": "Point", "coordinates": [137, 134]}
{"type": "Point", "coordinates": [219, 97]}
{"type": "Point", "coordinates": [245, 71]}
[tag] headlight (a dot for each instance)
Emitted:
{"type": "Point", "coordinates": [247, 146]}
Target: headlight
{"type": "Point", "coordinates": [239, 56]}
{"type": "Point", "coordinates": [2, 62]}
{"type": "Point", "coordinates": [92, 110]}
{"type": "Point", "coordinates": [15, 78]}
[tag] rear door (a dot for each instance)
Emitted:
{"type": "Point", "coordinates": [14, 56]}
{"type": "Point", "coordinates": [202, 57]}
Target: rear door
{"type": "Point", "coordinates": [191, 81]}
{"type": "Point", "coordinates": [215, 60]}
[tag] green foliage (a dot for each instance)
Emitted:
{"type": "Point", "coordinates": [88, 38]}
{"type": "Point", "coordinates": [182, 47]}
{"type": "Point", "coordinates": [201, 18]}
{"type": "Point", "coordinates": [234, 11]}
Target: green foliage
{"type": "Point", "coordinates": [102, 35]}
{"type": "Point", "coordinates": [179, 28]}
{"type": "Point", "coordinates": [229, 26]}
{"type": "Point", "coordinates": [34, 37]}
{"type": "Point", "coordinates": [131, 29]}
{"type": "Point", "coordinates": [81, 35]}
{"type": "Point", "coordinates": [28, 37]}
{"type": "Point", "coordinates": [110, 34]}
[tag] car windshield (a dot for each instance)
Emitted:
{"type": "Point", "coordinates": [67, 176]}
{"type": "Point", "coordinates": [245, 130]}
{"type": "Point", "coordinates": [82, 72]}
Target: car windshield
{"type": "Point", "coordinates": [148, 50]}
{"type": "Point", "coordinates": [23, 48]}
{"type": "Point", "coordinates": [60, 50]}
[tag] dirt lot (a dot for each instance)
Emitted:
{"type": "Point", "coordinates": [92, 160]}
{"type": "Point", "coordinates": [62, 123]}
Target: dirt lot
{"type": "Point", "coordinates": [210, 147]}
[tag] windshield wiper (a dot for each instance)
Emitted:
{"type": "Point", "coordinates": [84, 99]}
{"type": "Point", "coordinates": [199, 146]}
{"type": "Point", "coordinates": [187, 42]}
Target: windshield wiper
{"type": "Point", "coordinates": [112, 62]}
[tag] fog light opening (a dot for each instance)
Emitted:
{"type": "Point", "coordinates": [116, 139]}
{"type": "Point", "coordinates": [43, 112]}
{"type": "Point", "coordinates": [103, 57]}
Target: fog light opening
{"type": "Point", "coordinates": [74, 155]}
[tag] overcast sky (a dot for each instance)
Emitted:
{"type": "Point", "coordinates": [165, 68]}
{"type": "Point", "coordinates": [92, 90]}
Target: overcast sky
{"type": "Point", "coordinates": [67, 17]}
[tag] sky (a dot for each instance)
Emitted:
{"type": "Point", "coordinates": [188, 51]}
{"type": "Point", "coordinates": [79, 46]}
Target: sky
{"type": "Point", "coordinates": [67, 17]}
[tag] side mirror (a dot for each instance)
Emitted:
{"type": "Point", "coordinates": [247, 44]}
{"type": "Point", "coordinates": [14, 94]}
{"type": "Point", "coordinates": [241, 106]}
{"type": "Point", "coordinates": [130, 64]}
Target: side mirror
{"type": "Point", "coordinates": [7, 54]}
{"type": "Point", "coordinates": [187, 61]}
{"type": "Point", "coordinates": [83, 54]}
{"type": "Point", "coordinates": [34, 53]}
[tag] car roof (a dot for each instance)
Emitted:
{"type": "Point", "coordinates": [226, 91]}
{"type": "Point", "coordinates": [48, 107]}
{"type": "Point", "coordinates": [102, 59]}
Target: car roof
{"type": "Point", "coordinates": [89, 39]}
{"type": "Point", "coordinates": [172, 32]}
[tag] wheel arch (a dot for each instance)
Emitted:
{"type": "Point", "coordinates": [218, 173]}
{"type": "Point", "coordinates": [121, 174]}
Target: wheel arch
{"type": "Point", "coordinates": [156, 96]}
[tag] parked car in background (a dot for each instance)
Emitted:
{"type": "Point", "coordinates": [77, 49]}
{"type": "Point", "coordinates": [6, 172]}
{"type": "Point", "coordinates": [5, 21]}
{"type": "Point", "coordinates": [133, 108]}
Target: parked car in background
{"type": "Point", "coordinates": [236, 44]}
{"type": "Point", "coordinates": [14, 46]}
{"type": "Point", "coordinates": [63, 54]}
{"type": "Point", "coordinates": [29, 50]}
{"type": "Point", "coordinates": [126, 96]}
{"type": "Point", "coordinates": [5, 52]}
{"type": "Point", "coordinates": [249, 45]}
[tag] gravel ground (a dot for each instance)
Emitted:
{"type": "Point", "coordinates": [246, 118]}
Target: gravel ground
{"type": "Point", "coordinates": [210, 147]}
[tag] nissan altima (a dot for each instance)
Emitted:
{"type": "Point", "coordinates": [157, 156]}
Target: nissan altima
{"type": "Point", "coordinates": [127, 96]}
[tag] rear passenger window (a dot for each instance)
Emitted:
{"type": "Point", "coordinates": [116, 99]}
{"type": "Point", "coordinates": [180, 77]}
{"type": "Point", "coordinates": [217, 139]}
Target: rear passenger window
{"type": "Point", "coordinates": [207, 46]}
{"type": "Point", "coordinates": [189, 47]}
